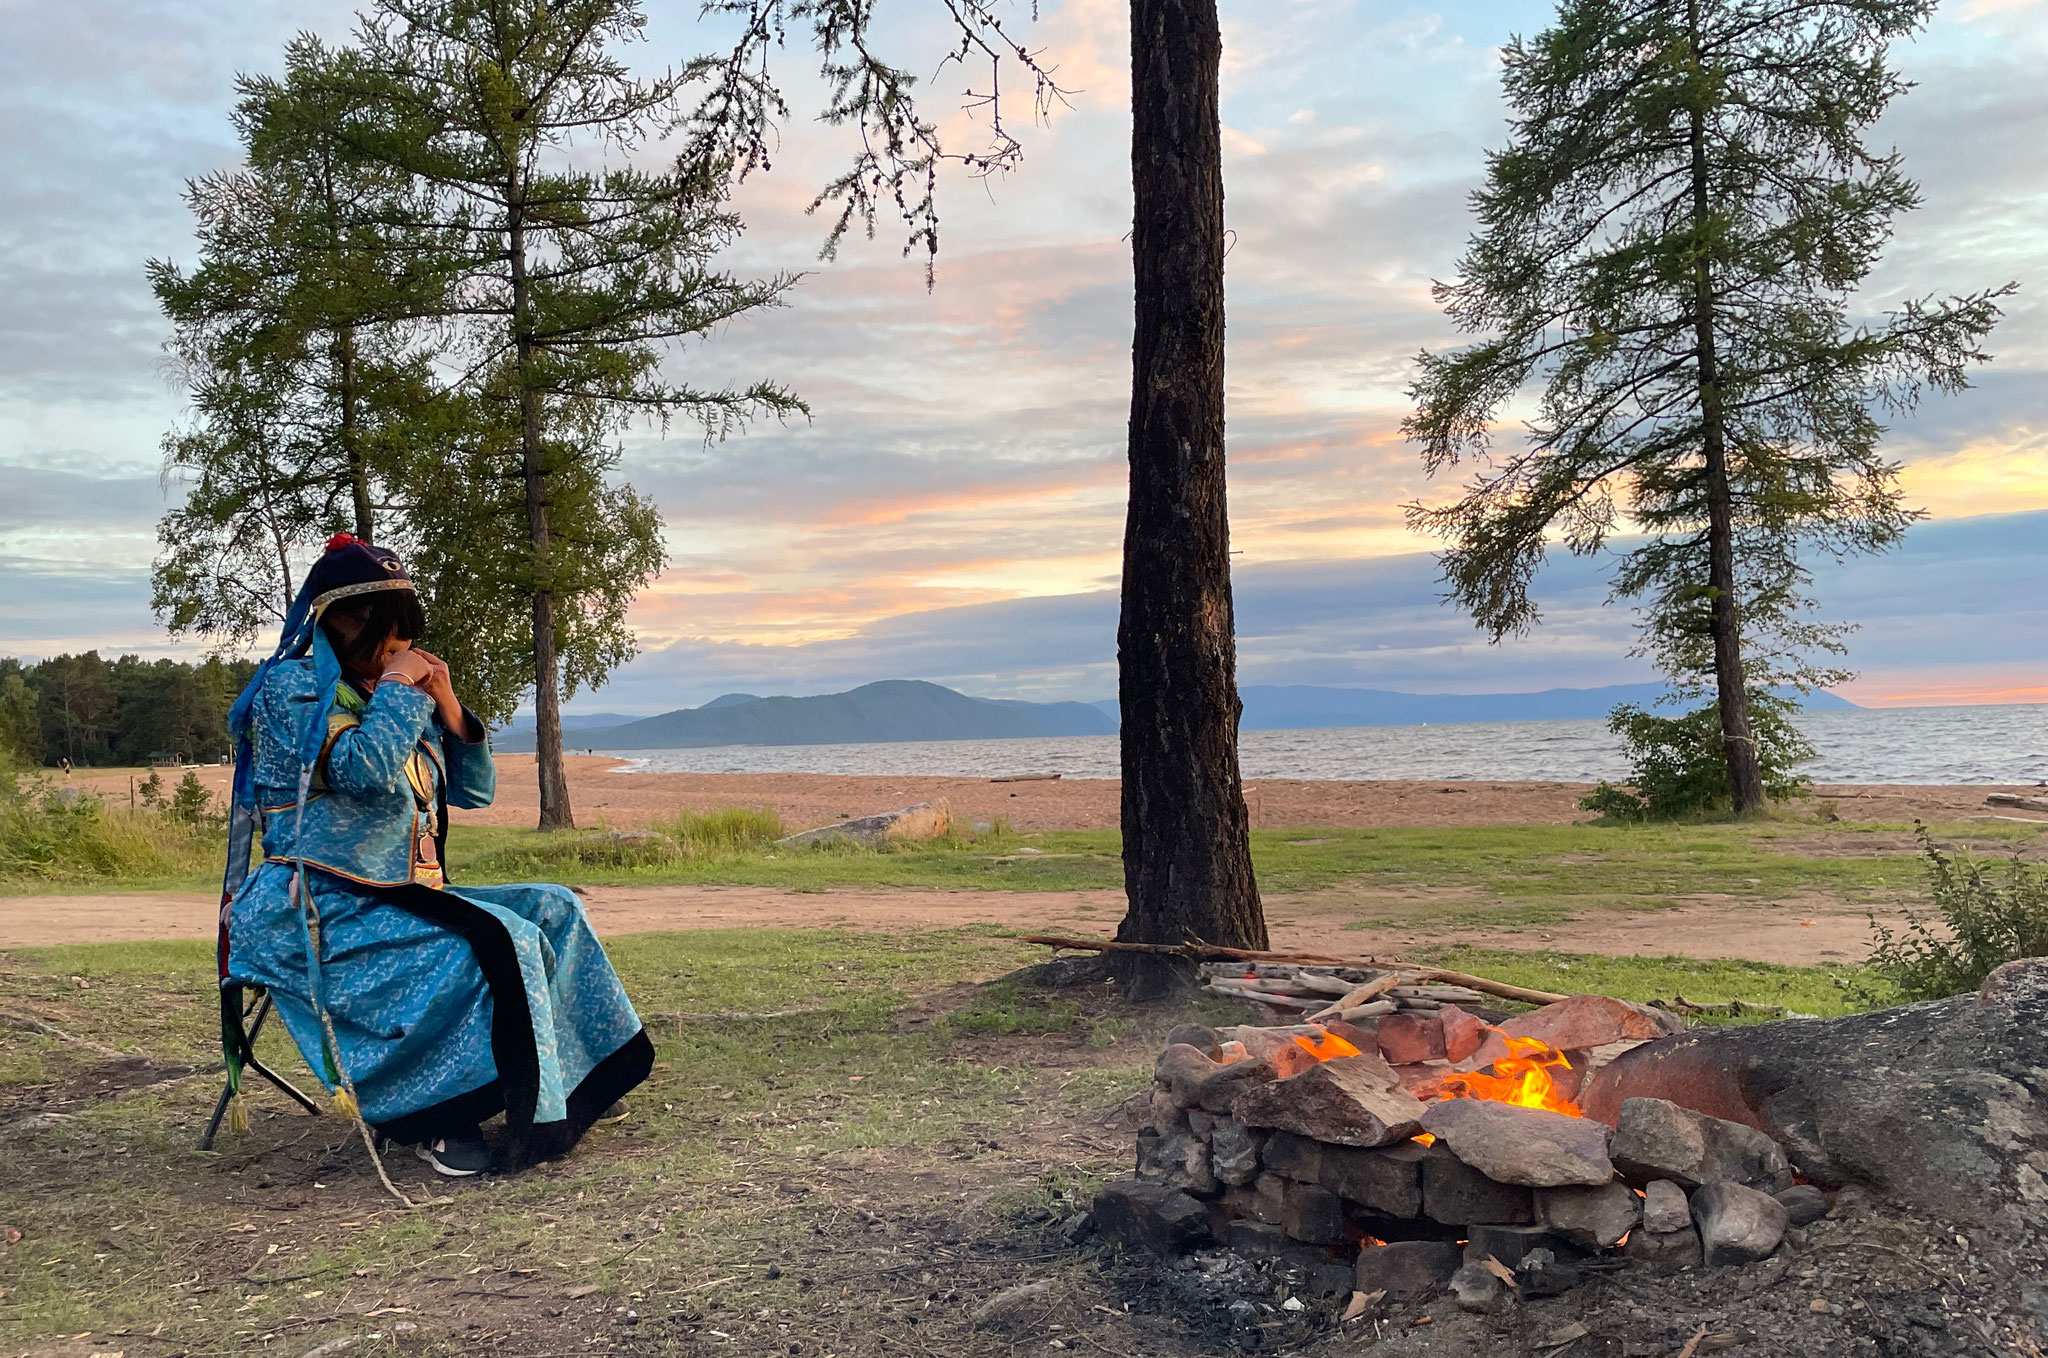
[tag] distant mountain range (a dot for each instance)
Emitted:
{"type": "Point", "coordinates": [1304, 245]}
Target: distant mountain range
{"type": "Point", "coordinates": [894, 709]}
{"type": "Point", "coordinates": [910, 709]}
{"type": "Point", "coordinates": [1297, 708]}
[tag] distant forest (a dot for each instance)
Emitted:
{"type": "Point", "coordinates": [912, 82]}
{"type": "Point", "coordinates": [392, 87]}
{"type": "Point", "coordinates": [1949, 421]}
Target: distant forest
{"type": "Point", "coordinates": [95, 711]}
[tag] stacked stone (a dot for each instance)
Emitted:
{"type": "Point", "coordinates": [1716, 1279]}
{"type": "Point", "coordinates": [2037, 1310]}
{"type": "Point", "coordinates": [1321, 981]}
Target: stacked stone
{"type": "Point", "coordinates": [1254, 1143]}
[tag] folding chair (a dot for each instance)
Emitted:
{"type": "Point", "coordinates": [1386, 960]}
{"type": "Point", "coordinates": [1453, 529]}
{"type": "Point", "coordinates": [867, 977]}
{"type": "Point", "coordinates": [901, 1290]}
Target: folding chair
{"type": "Point", "coordinates": [244, 1010]}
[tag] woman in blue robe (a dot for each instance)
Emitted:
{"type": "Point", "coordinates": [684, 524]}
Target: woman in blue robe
{"type": "Point", "coordinates": [434, 1007]}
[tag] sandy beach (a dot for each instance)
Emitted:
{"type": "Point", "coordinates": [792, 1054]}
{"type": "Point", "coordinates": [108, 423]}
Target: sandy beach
{"type": "Point", "coordinates": [1800, 931]}
{"type": "Point", "coordinates": [600, 794]}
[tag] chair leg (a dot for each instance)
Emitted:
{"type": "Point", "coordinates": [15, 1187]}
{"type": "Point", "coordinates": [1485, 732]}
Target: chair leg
{"type": "Point", "coordinates": [249, 1062]}
{"type": "Point", "coordinates": [220, 1108]}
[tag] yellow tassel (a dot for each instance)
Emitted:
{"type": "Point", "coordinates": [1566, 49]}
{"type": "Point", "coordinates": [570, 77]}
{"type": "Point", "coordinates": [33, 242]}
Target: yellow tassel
{"type": "Point", "coordinates": [238, 1115]}
{"type": "Point", "coordinates": [345, 1105]}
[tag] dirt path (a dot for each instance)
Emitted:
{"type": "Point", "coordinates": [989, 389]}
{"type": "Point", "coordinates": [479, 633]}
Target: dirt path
{"type": "Point", "coordinates": [1762, 933]}
{"type": "Point", "coordinates": [599, 793]}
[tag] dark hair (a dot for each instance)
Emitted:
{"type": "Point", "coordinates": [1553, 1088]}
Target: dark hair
{"type": "Point", "coordinates": [381, 613]}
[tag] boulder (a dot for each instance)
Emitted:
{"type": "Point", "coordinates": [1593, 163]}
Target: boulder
{"type": "Point", "coordinates": [1387, 1180]}
{"type": "Point", "coordinates": [1737, 1225]}
{"type": "Point", "coordinates": [1456, 1194]}
{"type": "Point", "coordinates": [926, 820]}
{"type": "Point", "coordinates": [1584, 1021]}
{"type": "Point", "coordinates": [1665, 1249]}
{"type": "Point", "coordinates": [1295, 1156]}
{"type": "Point", "coordinates": [1234, 1152]}
{"type": "Point", "coordinates": [1179, 1161]}
{"type": "Point", "coordinates": [1597, 1218]}
{"type": "Point", "coordinates": [1407, 1268]}
{"type": "Point", "coordinates": [1276, 1046]}
{"type": "Point", "coordinates": [1164, 1114]}
{"type": "Point", "coordinates": [1307, 1212]}
{"type": "Point", "coordinates": [1408, 1038]}
{"type": "Point", "coordinates": [1803, 1203]}
{"type": "Point", "coordinates": [1462, 1032]}
{"type": "Point", "coordinates": [1363, 1036]}
{"type": "Point", "coordinates": [1665, 1208]}
{"type": "Point", "coordinates": [1194, 1081]}
{"type": "Point", "coordinates": [1936, 1106]}
{"type": "Point", "coordinates": [1510, 1245]}
{"type": "Point", "coordinates": [1151, 1217]}
{"type": "Point", "coordinates": [1349, 1102]}
{"type": "Point", "coordinates": [1475, 1287]}
{"type": "Point", "coordinates": [1656, 1139]}
{"type": "Point", "coordinates": [1515, 1145]}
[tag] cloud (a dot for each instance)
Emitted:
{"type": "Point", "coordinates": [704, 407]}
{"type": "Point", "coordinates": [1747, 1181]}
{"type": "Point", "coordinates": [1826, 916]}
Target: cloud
{"type": "Point", "coordinates": [1380, 622]}
{"type": "Point", "coordinates": [967, 451]}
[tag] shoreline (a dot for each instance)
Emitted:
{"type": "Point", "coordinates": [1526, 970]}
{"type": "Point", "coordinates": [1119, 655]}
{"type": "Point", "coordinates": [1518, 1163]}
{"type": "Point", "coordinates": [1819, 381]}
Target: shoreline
{"type": "Point", "coordinates": [600, 794]}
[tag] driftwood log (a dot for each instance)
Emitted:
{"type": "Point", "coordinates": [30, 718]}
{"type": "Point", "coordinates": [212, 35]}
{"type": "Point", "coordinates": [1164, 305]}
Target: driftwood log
{"type": "Point", "coordinates": [1941, 1106]}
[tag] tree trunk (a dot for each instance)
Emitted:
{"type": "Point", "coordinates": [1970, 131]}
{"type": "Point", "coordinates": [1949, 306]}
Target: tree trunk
{"type": "Point", "coordinates": [555, 812]}
{"type": "Point", "coordinates": [351, 443]}
{"type": "Point", "coordinates": [1738, 741]}
{"type": "Point", "coordinates": [1187, 853]}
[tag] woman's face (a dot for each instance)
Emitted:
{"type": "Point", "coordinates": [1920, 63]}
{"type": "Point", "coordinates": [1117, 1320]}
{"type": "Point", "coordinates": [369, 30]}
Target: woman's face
{"type": "Point", "coordinates": [350, 626]}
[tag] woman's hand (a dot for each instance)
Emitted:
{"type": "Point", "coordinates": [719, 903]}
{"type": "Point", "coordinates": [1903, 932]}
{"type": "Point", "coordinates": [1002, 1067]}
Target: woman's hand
{"type": "Point", "coordinates": [439, 686]}
{"type": "Point", "coordinates": [412, 666]}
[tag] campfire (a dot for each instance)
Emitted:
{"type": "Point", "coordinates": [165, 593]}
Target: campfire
{"type": "Point", "coordinates": [1392, 1136]}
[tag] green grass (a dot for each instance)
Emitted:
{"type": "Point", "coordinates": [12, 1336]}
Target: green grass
{"type": "Point", "coordinates": [1824, 990]}
{"type": "Point", "coordinates": [891, 1091]}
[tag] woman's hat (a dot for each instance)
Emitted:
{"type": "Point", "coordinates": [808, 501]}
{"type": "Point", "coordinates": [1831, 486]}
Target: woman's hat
{"type": "Point", "coordinates": [350, 567]}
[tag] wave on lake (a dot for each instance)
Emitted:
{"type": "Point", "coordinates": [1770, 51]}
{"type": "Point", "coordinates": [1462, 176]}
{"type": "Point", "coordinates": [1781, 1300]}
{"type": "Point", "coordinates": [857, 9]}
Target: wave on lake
{"type": "Point", "coordinates": [1991, 745]}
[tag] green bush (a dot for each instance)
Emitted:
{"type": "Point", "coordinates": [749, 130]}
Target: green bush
{"type": "Point", "coordinates": [53, 834]}
{"type": "Point", "coordinates": [723, 833]}
{"type": "Point", "coordinates": [1983, 926]}
{"type": "Point", "coordinates": [1677, 767]}
{"type": "Point", "coordinates": [191, 803]}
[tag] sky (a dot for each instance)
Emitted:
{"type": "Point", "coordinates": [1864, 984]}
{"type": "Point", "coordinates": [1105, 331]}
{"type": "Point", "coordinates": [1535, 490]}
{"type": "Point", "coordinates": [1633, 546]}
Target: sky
{"type": "Point", "coordinates": [953, 509]}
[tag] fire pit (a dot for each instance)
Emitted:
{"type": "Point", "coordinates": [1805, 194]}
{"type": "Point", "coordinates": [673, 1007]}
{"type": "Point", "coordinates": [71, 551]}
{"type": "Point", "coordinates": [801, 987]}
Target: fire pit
{"type": "Point", "coordinates": [1423, 1139]}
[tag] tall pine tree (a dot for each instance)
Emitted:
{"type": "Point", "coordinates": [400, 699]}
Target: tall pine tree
{"type": "Point", "coordinates": [1669, 248]}
{"type": "Point", "coordinates": [576, 275]}
{"type": "Point", "coordinates": [299, 335]}
{"type": "Point", "coordinates": [1187, 845]}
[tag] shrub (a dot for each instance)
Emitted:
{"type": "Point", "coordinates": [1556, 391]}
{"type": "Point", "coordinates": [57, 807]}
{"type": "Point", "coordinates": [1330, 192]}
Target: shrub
{"type": "Point", "coordinates": [725, 832]}
{"type": "Point", "coordinates": [58, 835]}
{"type": "Point", "coordinates": [1985, 924]}
{"type": "Point", "coordinates": [191, 803]}
{"type": "Point", "coordinates": [1677, 767]}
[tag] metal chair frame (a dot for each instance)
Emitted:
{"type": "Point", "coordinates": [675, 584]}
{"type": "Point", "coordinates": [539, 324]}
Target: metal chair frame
{"type": "Point", "coordinates": [255, 1010]}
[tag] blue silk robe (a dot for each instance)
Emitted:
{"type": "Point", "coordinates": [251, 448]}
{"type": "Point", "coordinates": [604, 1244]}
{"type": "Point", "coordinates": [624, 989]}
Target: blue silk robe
{"type": "Point", "coordinates": [449, 1004]}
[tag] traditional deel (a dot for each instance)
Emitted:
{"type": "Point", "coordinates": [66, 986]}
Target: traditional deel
{"type": "Point", "coordinates": [448, 1004]}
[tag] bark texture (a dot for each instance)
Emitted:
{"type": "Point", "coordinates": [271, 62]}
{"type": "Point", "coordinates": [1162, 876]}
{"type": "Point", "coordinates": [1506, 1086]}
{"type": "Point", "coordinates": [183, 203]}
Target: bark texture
{"type": "Point", "coordinates": [555, 811]}
{"type": "Point", "coordinates": [1187, 857]}
{"type": "Point", "coordinates": [1738, 741]}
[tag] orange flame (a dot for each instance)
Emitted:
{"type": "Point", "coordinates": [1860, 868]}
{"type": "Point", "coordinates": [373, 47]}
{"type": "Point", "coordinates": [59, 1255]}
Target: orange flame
{"type": "Point", "coordinates": [1522, 1077]}
{"type": "Point", "coordinates": [1325, 1046]}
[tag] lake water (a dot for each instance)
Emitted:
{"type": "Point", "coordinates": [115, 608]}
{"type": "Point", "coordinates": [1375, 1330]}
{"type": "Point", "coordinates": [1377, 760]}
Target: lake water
{"type": "Point", "coordinates": [1884, 745]}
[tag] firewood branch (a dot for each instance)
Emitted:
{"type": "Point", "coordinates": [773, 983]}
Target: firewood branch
{"type": "Point", "coordinates": [1399, 973]}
